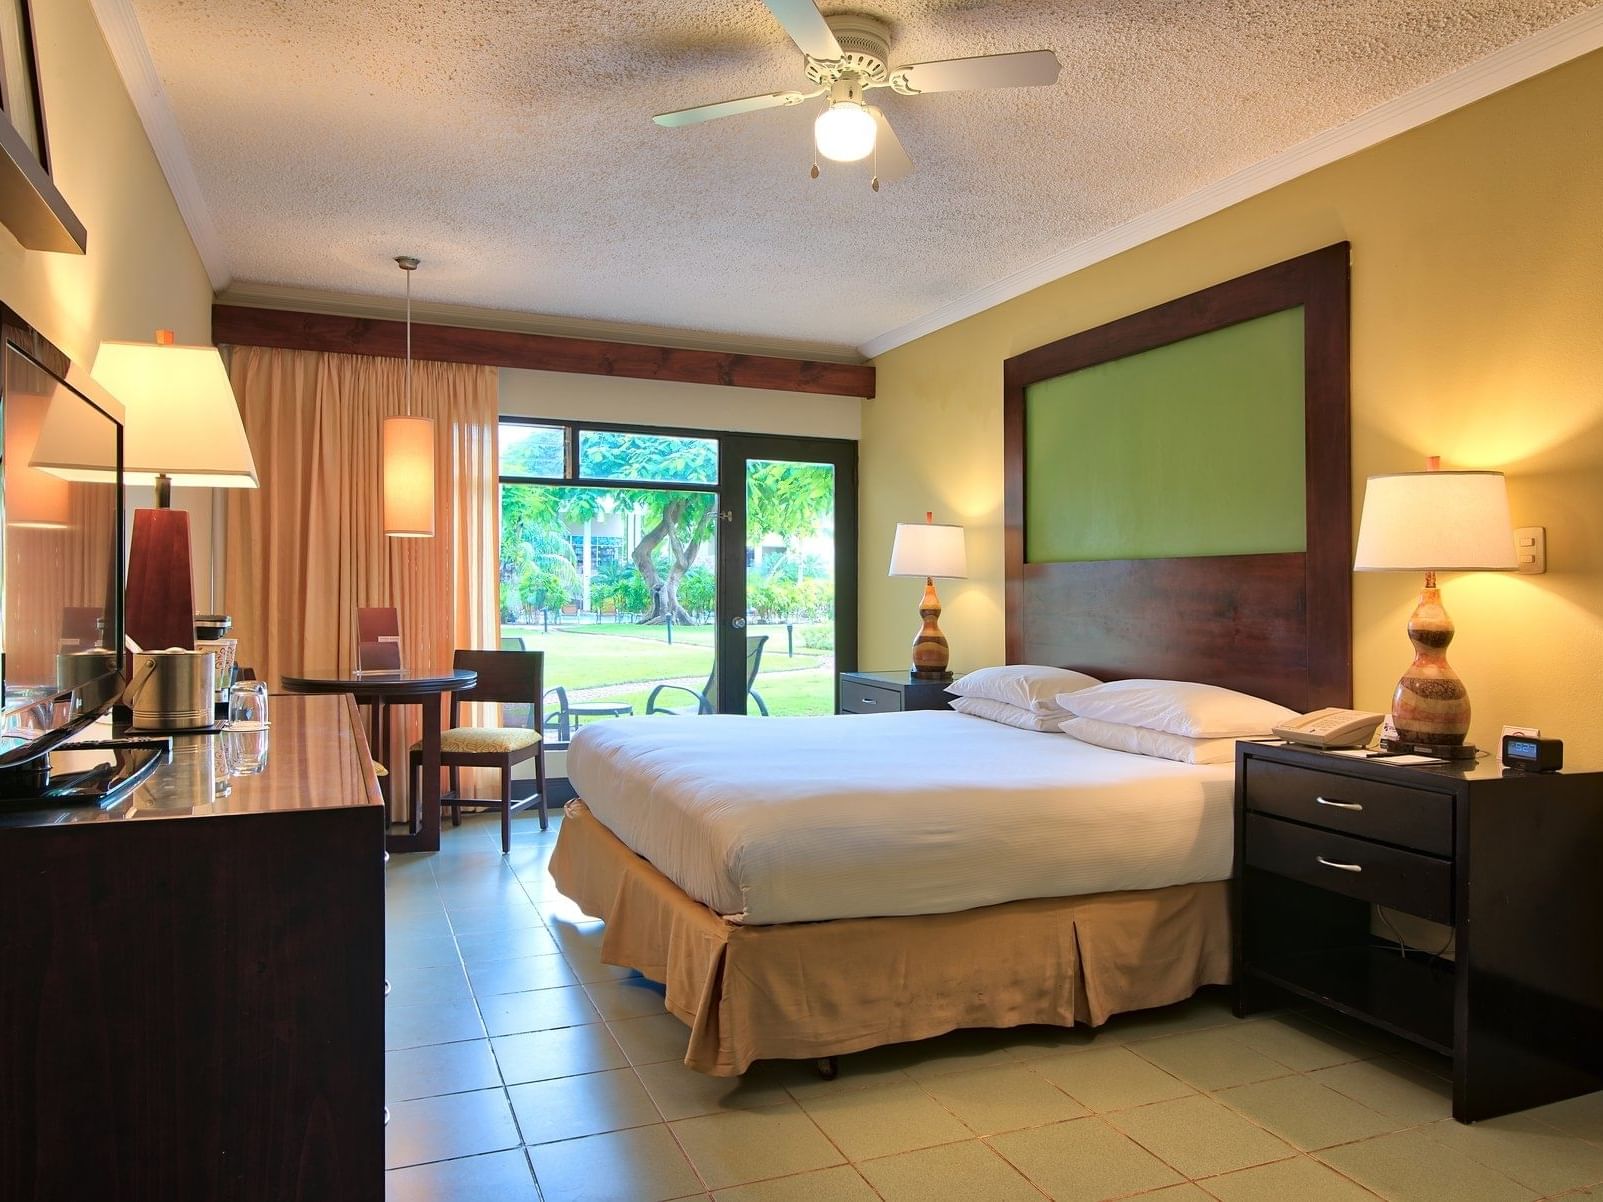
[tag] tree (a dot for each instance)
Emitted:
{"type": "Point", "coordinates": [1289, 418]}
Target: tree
{"type": "Point", "coordinates": [678, 523]}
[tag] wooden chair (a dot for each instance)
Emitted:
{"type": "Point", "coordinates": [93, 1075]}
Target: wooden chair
{"type": "Point", "coordinates": [378, 649]}
{"type": "Point", "coordinates": [705, 700]}
{"type": "Point", "coordinates": [508, 678]}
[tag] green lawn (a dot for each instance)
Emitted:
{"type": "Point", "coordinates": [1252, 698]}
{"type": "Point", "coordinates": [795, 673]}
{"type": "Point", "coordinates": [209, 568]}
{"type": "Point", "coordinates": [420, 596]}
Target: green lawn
{"type": "Point", "coordinates": [623, 663]}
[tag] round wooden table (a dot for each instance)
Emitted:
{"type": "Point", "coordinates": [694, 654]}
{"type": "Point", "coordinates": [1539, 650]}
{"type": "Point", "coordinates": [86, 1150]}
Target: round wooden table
{"type": "Point", "coordinates": [383, 689]}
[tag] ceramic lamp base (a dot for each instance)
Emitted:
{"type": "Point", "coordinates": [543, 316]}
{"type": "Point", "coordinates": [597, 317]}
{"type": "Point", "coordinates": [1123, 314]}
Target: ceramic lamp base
{"type": "Point", "coordinates": [1430, 705]}
{"type": "Point", "coordinates": [930, 652]}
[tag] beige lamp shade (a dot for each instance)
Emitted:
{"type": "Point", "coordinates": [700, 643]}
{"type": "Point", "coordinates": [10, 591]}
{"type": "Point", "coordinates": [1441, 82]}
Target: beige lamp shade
{"type": "Point", "coordinates": [33, 498]}
{"type": "Point", "coordinates": [409, 477]}
{"type": "Point", "coordinates": [182, 419]}
{"type": "Point", "coordinates": [926, 549]}
{"type": "Point", "coordinates": [1436, 522]}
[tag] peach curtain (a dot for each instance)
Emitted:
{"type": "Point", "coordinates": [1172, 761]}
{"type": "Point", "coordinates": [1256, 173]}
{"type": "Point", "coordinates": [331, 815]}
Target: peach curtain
{"type": "Point", "coordinates": [308, 547]}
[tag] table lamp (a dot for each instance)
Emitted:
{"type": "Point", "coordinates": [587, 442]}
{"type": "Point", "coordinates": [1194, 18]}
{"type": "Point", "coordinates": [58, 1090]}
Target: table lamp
{"type": "Point", "coordinates": [930, 551]}
{"type": "Point", "coordinates": [1434, 521]}
{"type": "Point", "coordinates": [182, 427]}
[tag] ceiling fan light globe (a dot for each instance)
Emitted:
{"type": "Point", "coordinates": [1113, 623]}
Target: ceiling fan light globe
{"type": "Point", "coordinates": [844, 132]}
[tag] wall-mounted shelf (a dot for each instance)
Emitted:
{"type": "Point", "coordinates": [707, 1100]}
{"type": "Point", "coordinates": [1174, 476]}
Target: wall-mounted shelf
{"type": "Point", "coordinates": [31, 206]}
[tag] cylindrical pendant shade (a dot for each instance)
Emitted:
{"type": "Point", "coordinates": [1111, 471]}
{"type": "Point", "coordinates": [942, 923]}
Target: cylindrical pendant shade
{"type": "Point", "coordinates": [409, 477]}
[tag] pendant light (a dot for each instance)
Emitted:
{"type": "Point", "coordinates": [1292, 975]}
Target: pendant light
{"type": "Point", "coordinates": [408, 451]}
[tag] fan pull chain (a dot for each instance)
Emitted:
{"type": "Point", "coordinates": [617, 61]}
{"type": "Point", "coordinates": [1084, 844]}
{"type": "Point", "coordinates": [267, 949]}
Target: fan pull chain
{"type": "Point", "coordinates": [874, 183]}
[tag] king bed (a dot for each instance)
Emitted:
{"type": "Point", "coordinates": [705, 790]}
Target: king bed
{"type": "Point", "coordinates": [810, 887]}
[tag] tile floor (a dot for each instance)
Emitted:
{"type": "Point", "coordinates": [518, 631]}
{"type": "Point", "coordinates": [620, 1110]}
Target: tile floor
{"type": "Point", "coordinates": [520, 1067]}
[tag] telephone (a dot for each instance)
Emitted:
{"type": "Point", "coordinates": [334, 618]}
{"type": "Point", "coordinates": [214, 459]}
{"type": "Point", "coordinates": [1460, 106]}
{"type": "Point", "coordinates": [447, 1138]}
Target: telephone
{"type": "Point", "coordinates": [1330, 728]}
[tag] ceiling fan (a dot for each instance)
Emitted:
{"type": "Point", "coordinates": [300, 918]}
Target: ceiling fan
{"type": "Point", "coordinates": [847, 55]}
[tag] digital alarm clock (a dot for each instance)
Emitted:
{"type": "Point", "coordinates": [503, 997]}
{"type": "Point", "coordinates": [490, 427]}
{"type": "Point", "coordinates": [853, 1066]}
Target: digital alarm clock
{"type": "Point", "coordinates": [1527, 753]}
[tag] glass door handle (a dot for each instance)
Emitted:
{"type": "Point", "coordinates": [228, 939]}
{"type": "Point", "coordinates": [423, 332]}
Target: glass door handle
{"type": "Point", "coordinates": [738, 623]}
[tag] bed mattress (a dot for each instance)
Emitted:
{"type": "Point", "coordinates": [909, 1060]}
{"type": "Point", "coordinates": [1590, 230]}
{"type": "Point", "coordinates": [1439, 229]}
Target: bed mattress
{"type": "Point", "coordinates": [776, 820]}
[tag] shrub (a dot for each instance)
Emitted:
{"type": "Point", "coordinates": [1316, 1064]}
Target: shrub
{"type": "Point", "coordinates": [819, 636]}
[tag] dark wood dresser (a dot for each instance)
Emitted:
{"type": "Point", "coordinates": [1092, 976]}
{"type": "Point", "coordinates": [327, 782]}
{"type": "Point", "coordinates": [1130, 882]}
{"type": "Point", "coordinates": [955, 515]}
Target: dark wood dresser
{"type": "Point", "coordinates": [887, 692]}
{"type": "Point", "coordinates": [1508, 863]}
{"type": "Point", "coordinates": [191, 985]}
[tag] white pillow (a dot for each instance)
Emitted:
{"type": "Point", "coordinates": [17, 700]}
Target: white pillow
{"type": "Point", "coordinates": [1028, 686]}
{"type": "Point", "coordinates": [1013, 715]}
{"type": "Point", "coordinates": [1150, 742]}
{"type": "Point", "coordinates": [1197, 711]}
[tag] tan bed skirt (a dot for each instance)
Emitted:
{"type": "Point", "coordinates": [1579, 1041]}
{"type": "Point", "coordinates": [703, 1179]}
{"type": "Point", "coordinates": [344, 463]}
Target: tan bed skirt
{"type": "Point", "coordinates": [809, 989]}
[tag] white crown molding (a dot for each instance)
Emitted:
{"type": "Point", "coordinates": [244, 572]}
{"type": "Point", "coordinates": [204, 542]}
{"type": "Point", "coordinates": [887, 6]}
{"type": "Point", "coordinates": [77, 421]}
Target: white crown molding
{"type": "Point", "coordinates": [1570, 39]}
{"type": "Point", "coordinates": [120, 25]}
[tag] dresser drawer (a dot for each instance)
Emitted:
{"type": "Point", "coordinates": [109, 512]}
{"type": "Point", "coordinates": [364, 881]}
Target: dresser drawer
{"type": "Point", "coordinates": [1373, 872]}
{"type": "Point", "coordinates": [858, 698]}
{"type": "Point", "coordinates": [1409, 817]}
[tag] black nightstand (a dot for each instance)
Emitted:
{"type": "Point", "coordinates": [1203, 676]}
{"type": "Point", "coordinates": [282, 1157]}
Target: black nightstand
{"type": "Point", "coordinates": [884, 692]}
{"type": "Point", "coordinates": [1510, 862]}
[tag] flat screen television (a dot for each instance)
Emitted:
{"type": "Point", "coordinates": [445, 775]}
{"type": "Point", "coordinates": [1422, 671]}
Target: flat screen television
{"type": "Point", "coordinates": [61, 562]}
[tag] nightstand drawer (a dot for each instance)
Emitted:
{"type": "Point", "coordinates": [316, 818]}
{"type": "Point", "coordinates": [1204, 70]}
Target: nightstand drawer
{"type": "Point", "coordinates": [1373, 872]}
{"type": "Point", "coordinates": [1370, 809]}
{"type": "Point", "coordinates": [856, 698]}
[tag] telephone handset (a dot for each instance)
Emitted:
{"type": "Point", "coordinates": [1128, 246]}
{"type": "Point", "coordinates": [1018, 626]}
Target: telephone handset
{"type": "Point", "coordinates": [1330, 728]}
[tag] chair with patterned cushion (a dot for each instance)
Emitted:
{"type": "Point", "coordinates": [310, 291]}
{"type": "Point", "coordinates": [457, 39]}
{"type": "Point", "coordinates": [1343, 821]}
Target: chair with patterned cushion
{"type": "Point", "coordinates": [513, 680]}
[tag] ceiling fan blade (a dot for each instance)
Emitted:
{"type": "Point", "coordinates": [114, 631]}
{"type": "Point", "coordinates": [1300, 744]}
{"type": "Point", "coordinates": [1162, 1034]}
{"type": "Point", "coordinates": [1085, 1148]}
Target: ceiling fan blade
{"type": "Point", "coordinates": [806, 26]}
{"type": "Point", "coordinates": [891, 162]}
{"type": "Point", "coordinates": [731, 108]}
{"type": "Point", "coordinates": [1027, 68]}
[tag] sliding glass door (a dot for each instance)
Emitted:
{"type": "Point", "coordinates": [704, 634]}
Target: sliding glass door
{"type": "Point", "coordinates": [641, 561]}
{"type": "Point", "coordinates": [788, 573]}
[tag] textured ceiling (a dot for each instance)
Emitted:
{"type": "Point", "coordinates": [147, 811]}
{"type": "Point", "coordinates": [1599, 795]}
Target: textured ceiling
{"type": "Point", "coordinates": [509, 142]}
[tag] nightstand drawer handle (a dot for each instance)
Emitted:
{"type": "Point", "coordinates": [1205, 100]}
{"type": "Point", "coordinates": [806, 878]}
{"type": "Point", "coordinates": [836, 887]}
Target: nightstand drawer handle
{"type": "Point", "coordinates": [1339, 805]}
{"type": "Point", "coordinates": [1343, 867]}
{"type": "Point", "coordinates": [869, 701]}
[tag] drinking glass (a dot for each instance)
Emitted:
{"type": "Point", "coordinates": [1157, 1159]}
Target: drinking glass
{"type": "Point", "coordinates": [245, 738]}
{"type": "Point", "coordinates": [247, 705]}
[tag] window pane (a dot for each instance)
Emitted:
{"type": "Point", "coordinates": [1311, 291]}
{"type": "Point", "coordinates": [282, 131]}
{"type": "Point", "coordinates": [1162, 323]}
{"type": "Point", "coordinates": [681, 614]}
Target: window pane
{"type": "Point", "coordinates": [790, 586]}
{"type": "Point", "coordinates": [623, 455]}
{"type": "Point", "coordinates": [532, 450]}
{"type": "Point", "coordinates": [615, 586]}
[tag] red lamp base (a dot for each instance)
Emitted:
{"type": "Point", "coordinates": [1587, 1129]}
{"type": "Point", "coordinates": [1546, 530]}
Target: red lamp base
{"type": "Point", "coordinates": [160, 609]}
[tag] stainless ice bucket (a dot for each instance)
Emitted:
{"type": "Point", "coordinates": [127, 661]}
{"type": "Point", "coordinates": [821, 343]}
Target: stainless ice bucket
{"type": "Point", "coordinates": [173, 690]}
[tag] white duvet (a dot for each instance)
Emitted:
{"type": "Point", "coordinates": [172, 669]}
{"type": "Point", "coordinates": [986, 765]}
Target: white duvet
{"type": "Point", "coordinates": [771, 820]}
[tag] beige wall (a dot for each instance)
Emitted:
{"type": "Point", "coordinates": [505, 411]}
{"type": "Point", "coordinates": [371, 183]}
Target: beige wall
{"type": "Point", "coordinates": [142, 271]}
{"type": "Point", "coordinates": [664, 403]}
{"type": "Point", "coordinates": [1477, 335]}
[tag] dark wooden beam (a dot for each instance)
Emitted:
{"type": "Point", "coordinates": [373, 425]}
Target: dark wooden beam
{"type": "Point", "coordinates": [239, 325]}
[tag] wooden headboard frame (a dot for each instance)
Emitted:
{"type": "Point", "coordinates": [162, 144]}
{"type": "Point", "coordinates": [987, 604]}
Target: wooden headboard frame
{"type": "Point", "coordinates": [1278, 625]}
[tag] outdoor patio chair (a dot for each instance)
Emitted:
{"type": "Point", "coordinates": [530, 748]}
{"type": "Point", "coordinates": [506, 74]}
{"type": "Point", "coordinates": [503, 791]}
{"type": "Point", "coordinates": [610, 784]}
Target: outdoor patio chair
{"type": "Point", "coordinates": [565, 715]}
{"type": "Point", "coordinates": [512, 679]}
{"type": "Point", "coordinates": [705, 703]}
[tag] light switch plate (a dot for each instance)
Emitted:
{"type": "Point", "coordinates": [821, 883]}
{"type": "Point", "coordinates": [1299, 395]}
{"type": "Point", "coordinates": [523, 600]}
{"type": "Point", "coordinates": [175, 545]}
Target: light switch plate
{"type": "Point", "coordinates": [1530, 549]}
{"type": "Point", "coordinates": [1532, 732]}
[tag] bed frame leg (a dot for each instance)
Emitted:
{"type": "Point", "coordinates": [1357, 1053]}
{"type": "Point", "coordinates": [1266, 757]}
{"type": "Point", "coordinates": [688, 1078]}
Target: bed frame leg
{"type": "Point", "coordinates": [828, 1067]}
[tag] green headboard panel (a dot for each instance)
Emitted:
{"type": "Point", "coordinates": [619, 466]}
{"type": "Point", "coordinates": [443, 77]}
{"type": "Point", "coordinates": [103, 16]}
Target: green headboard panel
{"type": "Point", "coordinates": [1190, 449]}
